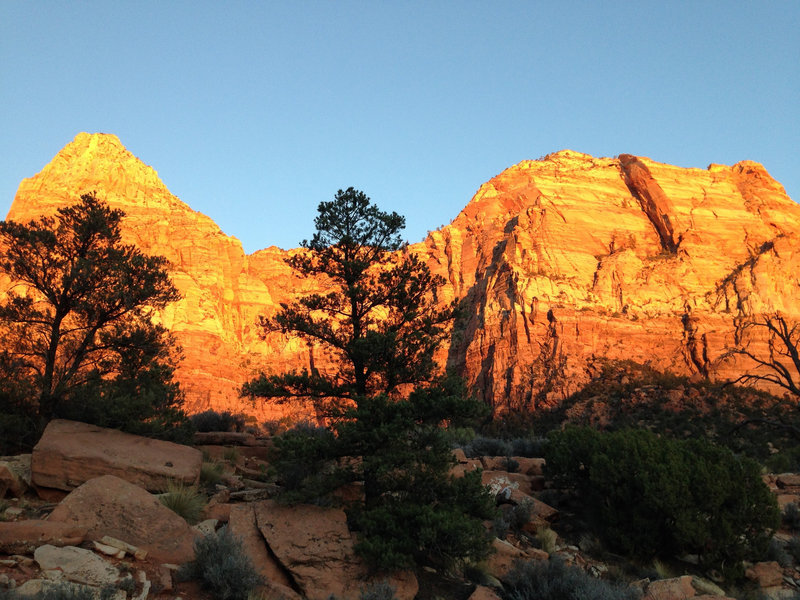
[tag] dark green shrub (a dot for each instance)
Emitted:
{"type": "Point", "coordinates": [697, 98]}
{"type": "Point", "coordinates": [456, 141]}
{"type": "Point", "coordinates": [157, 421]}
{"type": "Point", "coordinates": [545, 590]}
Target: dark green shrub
{"type": "Point", "coordinates": [776, 551]}
{"type": "Point", "coordinates": [528, 447]}
{"type": "Point", "coordinates": [520, 515]}
{"type": "Point", "coordinates": [648, 496]}
{"type": "Point", "coordinates": [222, 566]}
{"type": "Point", "coordinates": [301, 458]}
{"type": "Point", "coordinates": [552, 580]}
{"type": "Point", "coordinates": [211, 473]}
{"type": "Point", "coordinates": [483, 446]}
{"type": "Point", "coordinates": [212, 420]}
{"type": "Point", "coordinates": [791, 517]}
{"type": "Point", "coordinates": [627, 395]}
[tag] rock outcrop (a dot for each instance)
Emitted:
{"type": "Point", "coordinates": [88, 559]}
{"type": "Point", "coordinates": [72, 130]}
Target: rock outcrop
{"type": "Point", "coordinates": [557, 262]}
{"type": "Point", "coordinates": [110, 506]}
{"type": "Point", "coordinates": [70, 453]}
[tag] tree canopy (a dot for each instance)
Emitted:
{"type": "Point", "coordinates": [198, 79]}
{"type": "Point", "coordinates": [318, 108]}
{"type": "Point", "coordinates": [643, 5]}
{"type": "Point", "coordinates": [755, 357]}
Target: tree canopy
{"type": "Point", "coordinates": [379, 318]}
{"type": "Point", "coordinates": [76, 319]}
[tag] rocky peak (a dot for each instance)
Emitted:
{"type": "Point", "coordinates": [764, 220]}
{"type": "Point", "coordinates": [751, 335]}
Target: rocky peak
{"type": "Point", "coordinates": [556, 261]}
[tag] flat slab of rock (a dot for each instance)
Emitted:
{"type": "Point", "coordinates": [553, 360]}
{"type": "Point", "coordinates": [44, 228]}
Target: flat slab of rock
{"type": "Point", "coordinates": [676, 588]}
{"type": "Point", "coordinates": [71, 453]}
{"type": "Point", "coordinates": [34, 588]}
{"type": "Point", "coordinates": [315, 546]}
{"type": "Point", "coordinates": [23, 537]}
{"type": "Point", "coordinates": [110, 506]}
{"type": "Point", "coordinates": [77, 564]}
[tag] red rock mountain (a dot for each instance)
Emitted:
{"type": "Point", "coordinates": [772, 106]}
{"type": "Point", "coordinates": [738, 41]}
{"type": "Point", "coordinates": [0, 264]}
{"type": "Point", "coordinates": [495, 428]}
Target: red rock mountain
{"type": "Point", "coordinates": [557, 262]}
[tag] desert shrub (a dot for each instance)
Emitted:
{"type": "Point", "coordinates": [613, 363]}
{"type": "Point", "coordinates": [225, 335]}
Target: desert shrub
{"type": "Point", "coordinates": [484, 446]}
{"type": "Point", "coordinates": [212, 420]}
{"type": "Point", "coordinates": [776, 551]}
{"type": "Point", "coordinates": [17, 430]}
{"type": "Point", "coordinates": [301, 457]}
{"type": "Point", "coordinates": [444, 522]}
{"type": "Point", "coordinates": [63, 591]}
{"type": "Point", "coordinates": [211, 472]}
{"type": "Point", "coordinates": [786, 460]}
{"type": "Point", "coordinates": [791, 517]}
{"type": "Point", "coordinates": [520, 515]}
{"type": "Point", "coordinates": [185, 501]}
{"type": "Point", "coordinates": [528, 447]}
{"type": "Point", "coordinates": [377, 591]}
{"type": "Point", "coordinates": [626, 395]}
{"type": "Point", "coordinates": [547, 539]}
{"type": "Point", "coordinates": [460, 436]}
{"type": "Point", "coordinates": [649, 496]}
{"type": "Point", "coordinates": [222, 566]}
{"type": "Point", "coordinates": [231, 454]}
{"type": "Point", "coordinates": [553, 580]}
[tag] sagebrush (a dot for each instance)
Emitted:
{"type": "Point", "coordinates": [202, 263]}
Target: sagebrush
{"type": "Point", "coordinates": [222, 566]}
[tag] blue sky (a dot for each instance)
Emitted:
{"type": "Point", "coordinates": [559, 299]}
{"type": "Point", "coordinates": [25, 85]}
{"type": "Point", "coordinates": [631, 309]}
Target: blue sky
{"type": "Point", "coordinates": [254, 112]}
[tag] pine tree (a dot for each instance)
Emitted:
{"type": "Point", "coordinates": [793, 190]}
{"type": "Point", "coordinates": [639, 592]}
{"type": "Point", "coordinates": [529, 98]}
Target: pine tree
{"type": "Point", "coordinates": [387, 405]}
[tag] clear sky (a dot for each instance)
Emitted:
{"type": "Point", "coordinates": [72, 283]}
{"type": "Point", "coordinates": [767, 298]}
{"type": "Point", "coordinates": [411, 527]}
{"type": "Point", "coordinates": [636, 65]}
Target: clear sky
{"type": "Point", "coordinates": [254, 112]}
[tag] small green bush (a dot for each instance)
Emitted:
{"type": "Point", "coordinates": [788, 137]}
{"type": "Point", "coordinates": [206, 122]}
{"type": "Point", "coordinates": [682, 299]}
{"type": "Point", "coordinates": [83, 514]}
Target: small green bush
{"type": "Point", "coordinates": [776, 551]}
{"type": "Point", "coordinates": [484, 446]}
{"type": "Point", "coordinates": [212, 420]}
{"type": "Point", "coordinates": [185, 501]}
{"type": "Point", "coordinates": [528, 447]}
{"type": "Point", "coordinates": [648, 496]}
{"type": "Point", "coordinates": [222, 566]}
{"type": "Point", "coordinates": [791, 517]}
{"type": "Point", "coordinates": [553, 580]}
{"type": "Point", "coordinates": [211, 473]}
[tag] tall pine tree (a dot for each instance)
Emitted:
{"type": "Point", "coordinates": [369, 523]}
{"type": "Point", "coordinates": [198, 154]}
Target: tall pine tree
{"type": "Point", "coordinates": [386, 406]}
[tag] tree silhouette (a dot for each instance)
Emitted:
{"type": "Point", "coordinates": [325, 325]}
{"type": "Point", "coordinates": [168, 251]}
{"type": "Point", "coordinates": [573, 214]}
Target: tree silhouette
{"type": "Point", "coordinates": [76, 318]}
{"type": "Point", "coordinates": [386, 405]}
{"type": "Point", "coordinates": [781, 364]}
{"type": "Point", "coordinates": [379, 319]}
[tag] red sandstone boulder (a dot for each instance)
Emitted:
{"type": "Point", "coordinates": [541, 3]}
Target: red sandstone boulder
{"type": "Point", "coordinates": [242, 524]}
{"type": "Point", "coordinates": [110, 506]}
{"type": "Point", "coordinates": [71, 453]}
{"type": "Point", "coordinates": [483, 593]}
{"type": "Point", "coordinates": [23, 537]}
{"type": "Point", "coordinates": [503, 557]}
{"type": "Point", "coordinates": [677, 588]}
{"type": "Point", "coordinates": [15, 475]}
{"type": "Point", "coordinates": [316, 547]}
{"type": "Point", "coordinates": [766, 574]}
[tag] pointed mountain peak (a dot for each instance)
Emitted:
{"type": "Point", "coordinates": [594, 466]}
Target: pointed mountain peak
{"type": "Point", "coordinates": [92, 162]}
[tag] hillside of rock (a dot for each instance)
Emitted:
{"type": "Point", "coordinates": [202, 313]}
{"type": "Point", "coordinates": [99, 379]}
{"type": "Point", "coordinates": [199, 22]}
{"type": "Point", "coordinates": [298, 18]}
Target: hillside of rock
{"type": "Point", "coordinates": [557, 262]}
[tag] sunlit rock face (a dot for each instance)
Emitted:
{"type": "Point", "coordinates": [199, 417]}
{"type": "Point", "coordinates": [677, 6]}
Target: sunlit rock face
{"type": "Point", "coordinates": [557, 262]}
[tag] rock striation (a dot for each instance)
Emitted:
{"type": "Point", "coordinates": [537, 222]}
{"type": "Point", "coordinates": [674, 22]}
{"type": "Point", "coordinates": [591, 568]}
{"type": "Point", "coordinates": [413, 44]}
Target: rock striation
{"type": "Point", "coordinates": [557, 263]}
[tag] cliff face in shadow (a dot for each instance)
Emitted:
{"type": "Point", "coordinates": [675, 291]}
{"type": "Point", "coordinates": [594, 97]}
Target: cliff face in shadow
{"type": "Point", "coordinates": [556, 262]}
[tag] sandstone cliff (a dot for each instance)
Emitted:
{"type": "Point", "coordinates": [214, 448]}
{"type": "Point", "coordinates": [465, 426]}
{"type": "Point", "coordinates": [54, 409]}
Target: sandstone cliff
{"type": "Point", "coordinates": [556, 261]}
